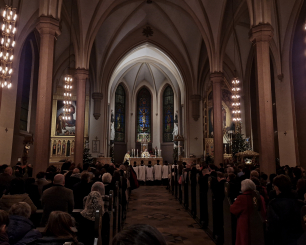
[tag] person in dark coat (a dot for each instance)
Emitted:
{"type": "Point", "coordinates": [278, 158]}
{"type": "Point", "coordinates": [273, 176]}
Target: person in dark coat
{"type": "Point", "coordinates": [4, 222]}
{"type": "Point", "coordinates": [283, 215]}
{"type": "Point", "coordinates": [5, 180]}
{"type": "Point", "coordinates": [32, 189]}
{"type": "Point", "coordinates": [81, 190]}
{"type": "Point", "coordinates": [58, 230]}
{"type": "Point", "coordinates": [21, 230]}
{"type": "Point", "coordinates": [74, 178]}
{"type": "Point", "coordinates": [56, 197]}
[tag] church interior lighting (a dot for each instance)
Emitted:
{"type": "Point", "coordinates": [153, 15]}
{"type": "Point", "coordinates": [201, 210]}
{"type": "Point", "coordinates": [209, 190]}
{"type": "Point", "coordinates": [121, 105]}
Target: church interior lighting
{"type": "Point", "coordinates": [7, 46]}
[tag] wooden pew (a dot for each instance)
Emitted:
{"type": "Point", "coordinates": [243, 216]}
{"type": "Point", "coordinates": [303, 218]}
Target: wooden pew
{"type": "Point", "coordinates": [189, 193]}
{"type": "Point", "coordinates": [98, 226]}
{"type": "Point", "coordinates": [230, 220]}
{"type": "Point", "coordinates": [193, 191]}
{"type": "Point", "coordinates": [210, 223]}
{"type": "Point", "coordinates": [175, 181]}
{"type": "Point", "coordinates": [116, 203]}
{"type": "Point", "coordinates": [180, 194]}
{"type": "Point", "coordinates": [107, 223]}
{"type": "Point", "coordinates": [198, 199]}
{"type": "Point", "coordinates": [186, 195]}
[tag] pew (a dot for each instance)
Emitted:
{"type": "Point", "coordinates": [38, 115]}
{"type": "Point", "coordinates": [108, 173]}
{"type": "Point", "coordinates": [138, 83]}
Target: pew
{"type": "Point", "coordinates": [193, 184]}
{"type": "Point", "coordinates": [210, 220]}
{"type": "Point", "coordinates": [198, 199]}
{"type": "Point", "coordinates": [180, 185]}
{"type": "Point", "coordinates": [186, 195]}
{"type": "Point", "coordinates": [189, 193]}
{"type": "Point", "coordinates": [230, 220]}
{"type": "Point", "coordinates": [98, 226]}
{"type": "Point", "coordinates": [107, 222]}
{"type": "Point", "coordinates": [175, 181]}
{"type": "Point", "coordinates": [116, 203]}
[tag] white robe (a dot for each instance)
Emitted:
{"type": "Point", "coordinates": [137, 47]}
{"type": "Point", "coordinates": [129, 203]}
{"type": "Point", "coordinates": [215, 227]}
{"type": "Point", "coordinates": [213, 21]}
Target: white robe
{"type": "Point", "coordinates": [142, 173]}
{"type": "Point", "coordinates": [165, 172]}
{"type": "Point", "coordinates": [136, 169]}
{"type": "Point", "coordinates": [157, 171]}
{"type": "Point", "coordinates": [149, 173]}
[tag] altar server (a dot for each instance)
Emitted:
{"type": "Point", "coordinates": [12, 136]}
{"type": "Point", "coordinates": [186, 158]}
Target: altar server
{"type": "Point", "coordinates": [127, 157]}
{"type": "Point", "coordinates": [136, 169]}
{"type": "Point", "coordinates": [165, 173]}
{"type": "Point", "coordinates": [149, 174]}
{"type": "Point", "coordinates": [142, 173]}
{"type": "Point", "coordinates": [158, 173]}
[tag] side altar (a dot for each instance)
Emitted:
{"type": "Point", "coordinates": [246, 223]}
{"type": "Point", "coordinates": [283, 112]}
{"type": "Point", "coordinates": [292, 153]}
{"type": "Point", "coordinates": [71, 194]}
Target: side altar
{"type": "Point", "coordinates": [146, 160]}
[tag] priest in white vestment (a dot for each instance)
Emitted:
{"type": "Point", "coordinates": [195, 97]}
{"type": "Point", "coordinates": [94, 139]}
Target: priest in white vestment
{"type": "Point", "coordinates": [145, 154]}
{"type": "Point", "coordinates": [127, 157]}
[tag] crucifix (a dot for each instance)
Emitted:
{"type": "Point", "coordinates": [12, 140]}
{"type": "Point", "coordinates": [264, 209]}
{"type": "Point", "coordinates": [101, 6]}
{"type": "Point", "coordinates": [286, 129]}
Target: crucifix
{"type": "Point", "coordinates": [285, 133]}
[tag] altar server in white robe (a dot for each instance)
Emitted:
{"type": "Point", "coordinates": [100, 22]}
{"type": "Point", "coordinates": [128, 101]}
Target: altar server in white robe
{"type": "Point", "coordinates": [136, 169]}
{"type": "Point", "coordinates": [165, 173]}
{"type": "Point", "coordinates": [157, 173]}
{"type": "Point", "coordinates": [142, 173]}
{"type": "Point", "coordinates": [149, 174]}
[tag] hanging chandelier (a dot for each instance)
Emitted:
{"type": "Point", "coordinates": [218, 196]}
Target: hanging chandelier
{"type": "Point", "coordinates": [236, 100]}
{"type": "Point", "coordinates": [7, 46]}
{"type": "Point", "coordinates": [67, 97]}
{"type": "Point", "coordinates": [68, 83]}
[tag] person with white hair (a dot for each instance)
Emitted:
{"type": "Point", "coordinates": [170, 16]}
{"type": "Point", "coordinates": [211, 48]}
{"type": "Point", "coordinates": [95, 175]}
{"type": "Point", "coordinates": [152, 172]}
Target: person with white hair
{"type": "Point", "coordinates": [243, 208]}
{"type": "Point", "coordinates": [107, 181]}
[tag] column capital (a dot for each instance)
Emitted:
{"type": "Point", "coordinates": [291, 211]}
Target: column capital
{"type": "Point", "coordinates": [48, 26]}
{"type": "Point", "coordinates": [81, 74]}
{"type": "Point", "coordinates": [195, 97]}
{"type": "Point", "coordinates": [261, 33]}
{"type": "Point", "coordinates": [217, 77]}
{"type": "Point", "coordinates": [97, 96]}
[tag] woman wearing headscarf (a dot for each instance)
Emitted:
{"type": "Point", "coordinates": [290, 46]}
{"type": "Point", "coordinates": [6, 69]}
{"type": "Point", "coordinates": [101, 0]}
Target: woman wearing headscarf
{"type": "Point", "coordinates": [86, 221]}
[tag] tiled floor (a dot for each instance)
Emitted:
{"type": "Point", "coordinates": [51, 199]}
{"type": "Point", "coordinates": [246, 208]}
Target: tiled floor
{"type": "Point", "coordinates": [155, 206]}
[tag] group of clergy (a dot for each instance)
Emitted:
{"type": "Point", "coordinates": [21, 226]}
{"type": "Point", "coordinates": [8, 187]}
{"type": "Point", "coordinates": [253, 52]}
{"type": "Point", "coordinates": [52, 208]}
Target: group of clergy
{"type": "Point", "coordinates": [152, 173]}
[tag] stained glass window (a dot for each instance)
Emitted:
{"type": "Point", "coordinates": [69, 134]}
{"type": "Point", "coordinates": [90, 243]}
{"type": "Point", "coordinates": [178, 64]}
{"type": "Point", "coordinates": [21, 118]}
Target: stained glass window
{"type": "Point", "coordinates": [168, 120]}
{"type": "Point", "coordinates": [120, 114]}
{"type": "Point", "coordinates": [144, 115]}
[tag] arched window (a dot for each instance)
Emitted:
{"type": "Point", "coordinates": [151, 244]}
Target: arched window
{"type": "Point", "coordinates": [168, 119]}
{"type": "Point", "coordinates": [120, 114]}
{"type": "Point", "coordinates": [144, 115]}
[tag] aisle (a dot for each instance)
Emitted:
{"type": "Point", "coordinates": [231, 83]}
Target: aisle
{"type": "Point", "coordinates": [155, 206]}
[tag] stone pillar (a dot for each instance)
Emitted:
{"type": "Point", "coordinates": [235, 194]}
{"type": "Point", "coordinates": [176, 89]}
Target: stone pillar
{"type": "Point", "coordinates": [217, 79]}
{"type": "Point", "coordinates": [80, 80]}
{"type": "Point", "coordinates": [97, 97]}
{"type": "Point", "coordinates": [48, 29]}
{"type": "Point", "coordinates": [195, 106]}
{"type": "Point", "coordinates": [261, 36]}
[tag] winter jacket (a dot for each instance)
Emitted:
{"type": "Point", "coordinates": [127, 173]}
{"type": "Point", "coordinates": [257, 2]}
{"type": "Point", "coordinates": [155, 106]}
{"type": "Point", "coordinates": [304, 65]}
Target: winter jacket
{"type": "Point", "coordinates": [49, 240]}
{"type": "Point", "coordinates": [21, 230]}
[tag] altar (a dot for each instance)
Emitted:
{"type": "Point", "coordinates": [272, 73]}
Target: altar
{"type": "Point", "coordinates": [145, 160]}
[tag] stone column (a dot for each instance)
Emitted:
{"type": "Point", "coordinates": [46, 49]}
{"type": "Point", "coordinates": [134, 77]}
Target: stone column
{"type": "Point", "coordinates": [80, 80]}
{"type": "Point", "coordinates": [195, 99]}
{"type": "Point", "coordinates": [97, 97]}
{"type": "Point", "coordinates": [261, 36]}
{"type": "Point", "coordinates": [217, 79]}
{"type": "Point", "coordinates": [48, 29]}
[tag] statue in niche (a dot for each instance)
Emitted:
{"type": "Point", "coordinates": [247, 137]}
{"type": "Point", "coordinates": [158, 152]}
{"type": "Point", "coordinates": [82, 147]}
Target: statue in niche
{"type": "Point", "coordinates": [68, 149]}
{"type": "Point", "coordinates": [175, 128]}
{"type": "Point", "coordinates": [112, 137]}
{"type": "Point", "coordinates": [59, 147]}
